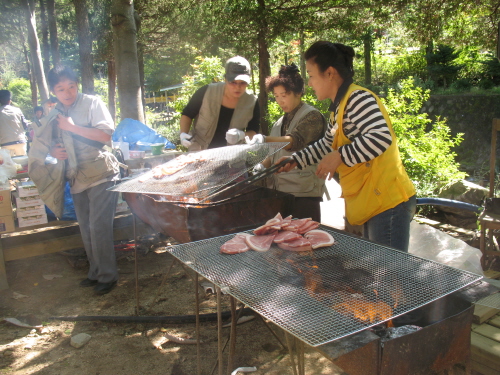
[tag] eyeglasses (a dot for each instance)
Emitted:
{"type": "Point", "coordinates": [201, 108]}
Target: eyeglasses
{"type": "Point", "coordinates": [238, 83]}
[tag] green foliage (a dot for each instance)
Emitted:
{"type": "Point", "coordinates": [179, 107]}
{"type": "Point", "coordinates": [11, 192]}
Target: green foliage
{"type": "Point", "coordinates": [206, 70]}
{"type": "Point", "coordinates": [426, 147]}
{"type": "Point", "coordinates": [441, 66]}
{"type": "Point", "coordinates": [21, 95]}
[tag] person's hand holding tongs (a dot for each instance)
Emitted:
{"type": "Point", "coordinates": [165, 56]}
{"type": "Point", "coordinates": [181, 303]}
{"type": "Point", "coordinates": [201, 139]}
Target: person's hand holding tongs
{"type": "Point", "coordinates": [285, 164]}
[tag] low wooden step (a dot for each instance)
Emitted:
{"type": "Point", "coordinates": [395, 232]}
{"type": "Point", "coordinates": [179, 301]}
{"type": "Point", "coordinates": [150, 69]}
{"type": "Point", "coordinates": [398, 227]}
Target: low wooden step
{"type": "Point", "coordinates": [485, 351]}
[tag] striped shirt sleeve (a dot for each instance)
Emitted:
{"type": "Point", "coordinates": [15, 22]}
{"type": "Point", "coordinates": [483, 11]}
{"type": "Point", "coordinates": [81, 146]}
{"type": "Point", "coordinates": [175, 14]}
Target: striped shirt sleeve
{"type": "Point", "coordinates": [363, 124]}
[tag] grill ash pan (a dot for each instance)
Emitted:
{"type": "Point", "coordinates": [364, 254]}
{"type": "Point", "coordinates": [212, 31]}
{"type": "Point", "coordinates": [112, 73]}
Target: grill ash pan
{"type": "Point", "coordinates": [187, 223]}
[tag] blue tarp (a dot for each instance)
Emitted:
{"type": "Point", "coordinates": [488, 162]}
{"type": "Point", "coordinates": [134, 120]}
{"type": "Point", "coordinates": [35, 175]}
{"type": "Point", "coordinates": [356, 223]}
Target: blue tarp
{"type": "Point", "coordinates": [138, 135]}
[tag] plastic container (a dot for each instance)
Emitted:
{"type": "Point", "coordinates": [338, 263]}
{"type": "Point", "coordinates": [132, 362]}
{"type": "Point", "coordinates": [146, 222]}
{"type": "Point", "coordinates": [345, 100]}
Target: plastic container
{"type": "Point", "coordinates": [157, 148]}
{"type": "Point", "coordinates": [124, 147]}
{"type": "Point", "coordinates": [135, 154]}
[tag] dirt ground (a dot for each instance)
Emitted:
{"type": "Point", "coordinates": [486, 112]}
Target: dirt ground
{"type": "Point", "coordinates": [46, 287]}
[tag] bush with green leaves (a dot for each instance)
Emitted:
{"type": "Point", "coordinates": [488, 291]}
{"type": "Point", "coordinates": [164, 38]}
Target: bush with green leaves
{"type": "Point", "coordinates": [21, 96]}
{"type": "Point", "coordinates": [442, 66]}
{"type": "Point", "coordinates": [426, 147]}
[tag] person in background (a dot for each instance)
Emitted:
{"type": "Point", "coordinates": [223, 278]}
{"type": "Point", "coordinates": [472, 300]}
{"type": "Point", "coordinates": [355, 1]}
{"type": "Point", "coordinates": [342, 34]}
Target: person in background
{"type": "Point", "coordinates": [13, 126]}
{"type": "Point", "coordinates": [361, 146]}
{"type": "Point", "coordinates": [301, 125]}
{"type": "Point", "coordinates": [38, 110]}
{"type": "Point", "coordinates": [75, 133]}
{"type": "Point", "coordinates": [223, 112]}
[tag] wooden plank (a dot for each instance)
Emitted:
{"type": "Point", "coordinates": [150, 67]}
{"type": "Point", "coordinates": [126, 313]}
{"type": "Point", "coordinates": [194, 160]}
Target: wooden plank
{"type": "Point", "coordinates": [483, 369]}
{"type": "Point", "coordinates": [488, 331]}
{"type": "Point", "coordinates": [485, 350]}
{"type": "Point", "coordinates": [491, 274]}
{"type": "Point", "coordinates": [495, 321]}
{"type": "Point", "coordinates": [26, 250]}
{"type": "Point", "coordinates": [483, 313]}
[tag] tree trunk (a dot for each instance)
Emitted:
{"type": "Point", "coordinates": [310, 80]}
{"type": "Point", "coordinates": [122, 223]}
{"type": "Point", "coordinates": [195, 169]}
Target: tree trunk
{"type": "Point", "coordinates": [34, 44]}
{"type": "Point", "coordinates": [264, 70]}
{"type": "Point", "coordinates": [367, 51]}
{"type": "Point", "coordinates": [45, 38]}
{"type": "Point", "coordinates": [127, 65]}
{"type": "Point", "coordinates": [84, 46]}
{"type": "Point", "coordinates": [54, 42]}
{"type": "Point", "coordinates": [303, 72]}
{"type": "Point", "coordinates": [112, 88]}
{"type": "Point", "coordinates": [34, 91]}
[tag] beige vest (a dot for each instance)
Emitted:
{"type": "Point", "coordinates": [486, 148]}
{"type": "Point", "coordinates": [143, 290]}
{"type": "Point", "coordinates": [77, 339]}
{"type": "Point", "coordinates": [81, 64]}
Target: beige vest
{"type": "Point", "coordinates": [205, 123]}
{"type": "Point", "coordinates": [299, 182]}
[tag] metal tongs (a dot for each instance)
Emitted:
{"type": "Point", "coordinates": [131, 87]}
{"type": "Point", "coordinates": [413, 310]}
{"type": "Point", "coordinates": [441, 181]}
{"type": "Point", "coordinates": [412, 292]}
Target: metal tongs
{"type": "Point", "coordinates": [252, 179]}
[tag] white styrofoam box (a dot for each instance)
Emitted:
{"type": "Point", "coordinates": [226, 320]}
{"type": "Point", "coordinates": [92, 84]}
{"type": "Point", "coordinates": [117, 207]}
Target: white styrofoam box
{"type": "Point", "coordinates": [32, 220]}
{"type": "Point", "coordinates": [31, 210]}
{"type": "Point", "coordinates": [27, 190]}
{"type": "Point", "coordinates": [34, 200]}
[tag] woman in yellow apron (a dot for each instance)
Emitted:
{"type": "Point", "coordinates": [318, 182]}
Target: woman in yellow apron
{"type": "Point", "coordinates": [361, 146]}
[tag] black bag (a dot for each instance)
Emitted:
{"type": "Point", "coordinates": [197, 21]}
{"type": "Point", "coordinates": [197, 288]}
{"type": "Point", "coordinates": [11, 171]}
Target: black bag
{"type": "Point", "coordinates": [492, 206]}
{"type": "Point", "coordinates": [119, 156]}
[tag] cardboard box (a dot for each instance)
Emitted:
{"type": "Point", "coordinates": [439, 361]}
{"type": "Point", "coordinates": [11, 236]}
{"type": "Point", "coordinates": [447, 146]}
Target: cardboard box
{"type": "Point", "coordinates": [5, 203]}
{"type": "Point", "coordinates": [27, 190]}
{"type": "Point", "coordinates": [7, 224]}
{"type": "Point", "coordinates": [31, 211]}
{"type": "Point", "coordinates": [34, 200]}
{"type": "Point", "coordinates": [32, 220]}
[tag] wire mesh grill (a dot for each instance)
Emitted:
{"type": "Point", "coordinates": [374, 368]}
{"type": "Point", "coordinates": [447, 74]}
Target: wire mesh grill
{"type": "Point", "coordinates": [324, 295]}
{"type": "Point", "coordinates": [204, 173]}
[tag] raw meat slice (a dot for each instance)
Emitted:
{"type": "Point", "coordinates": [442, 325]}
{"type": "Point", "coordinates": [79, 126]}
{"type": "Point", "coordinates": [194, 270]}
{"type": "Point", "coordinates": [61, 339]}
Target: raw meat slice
{"type": "Point", "coordinates": [260, 243]}
{"type": "Point", "coordinates": [286, 236]}
{"type": "Point", "coordinates": [310, 225]}
{"type": "Point", "coordinates": [235, 245]}
{"type": "Point", "coordinates": [301, 244]}
{"type": "Point", "coordinates": [271, 226]}
{"type": "Point", "coordinates": [319, 238]}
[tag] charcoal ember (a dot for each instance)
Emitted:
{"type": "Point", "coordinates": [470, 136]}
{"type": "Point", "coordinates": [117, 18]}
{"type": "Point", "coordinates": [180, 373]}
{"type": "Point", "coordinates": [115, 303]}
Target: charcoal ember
{"type": "Point", "coordinates": [395, 332]}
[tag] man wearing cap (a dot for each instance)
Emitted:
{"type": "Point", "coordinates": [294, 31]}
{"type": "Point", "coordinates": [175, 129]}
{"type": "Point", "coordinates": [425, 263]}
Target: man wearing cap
{"type": "Point", "coordinates": [223, 112]}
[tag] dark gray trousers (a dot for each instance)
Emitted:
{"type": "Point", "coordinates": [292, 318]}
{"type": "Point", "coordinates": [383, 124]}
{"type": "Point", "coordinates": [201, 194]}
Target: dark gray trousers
{"type": "Point", "coordinates": [95, 210]}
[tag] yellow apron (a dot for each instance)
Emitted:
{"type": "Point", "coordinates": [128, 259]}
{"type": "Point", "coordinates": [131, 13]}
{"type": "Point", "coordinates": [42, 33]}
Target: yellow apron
{"type": "Point", "coordinates": [377, 185]}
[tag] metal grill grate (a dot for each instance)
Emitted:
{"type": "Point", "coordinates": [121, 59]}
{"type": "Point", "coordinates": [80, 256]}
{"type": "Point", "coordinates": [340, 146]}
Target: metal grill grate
{"type": "Point", "coordinates": [198, 179]}
{"type": "Point", "coordinates": [307, 293]}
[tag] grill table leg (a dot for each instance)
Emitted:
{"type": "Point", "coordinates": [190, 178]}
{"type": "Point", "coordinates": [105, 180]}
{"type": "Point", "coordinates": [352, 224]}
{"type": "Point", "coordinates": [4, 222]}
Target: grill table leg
{"type": "Point", "coordinates": [136, 269]}
{"type": "Point", "coordinates": [232, 334]}
{"type": "Point", "coordinates": [219, 330]}
{"type": "Point", "coordinates": [291, 351]}
{"type": "Point", "coordinates": [198, 347]}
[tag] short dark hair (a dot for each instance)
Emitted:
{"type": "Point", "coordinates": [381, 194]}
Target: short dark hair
{"type": "Point", "coordinates": [5, 97]}
{"type": "Point", "coordinates": [289, 77]}
{"type": "Point", "coordinates": [337, 55]}
{"type": "Point", "coordinates": [38, 108]}
{"type": "Point", "coordinates": [58, 73]}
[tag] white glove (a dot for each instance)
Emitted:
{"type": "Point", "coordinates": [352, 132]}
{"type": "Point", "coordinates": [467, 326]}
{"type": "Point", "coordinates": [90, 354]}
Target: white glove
{"type": "Point", "coordinates": [186, 139]}
{"type": "Point", "coordinates": [234, 135]}
{"type": "Point", "coordinates": [257, 138]}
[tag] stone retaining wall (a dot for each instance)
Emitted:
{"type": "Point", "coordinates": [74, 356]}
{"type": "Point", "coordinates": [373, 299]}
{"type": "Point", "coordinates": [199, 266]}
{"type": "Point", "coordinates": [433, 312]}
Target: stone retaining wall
{"type": "Point", "coordinates": [471, 115]}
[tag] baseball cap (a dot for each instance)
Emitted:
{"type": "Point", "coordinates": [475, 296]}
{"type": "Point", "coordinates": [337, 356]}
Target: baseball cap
{"type": "Point", "coordinates": [237, 69]}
